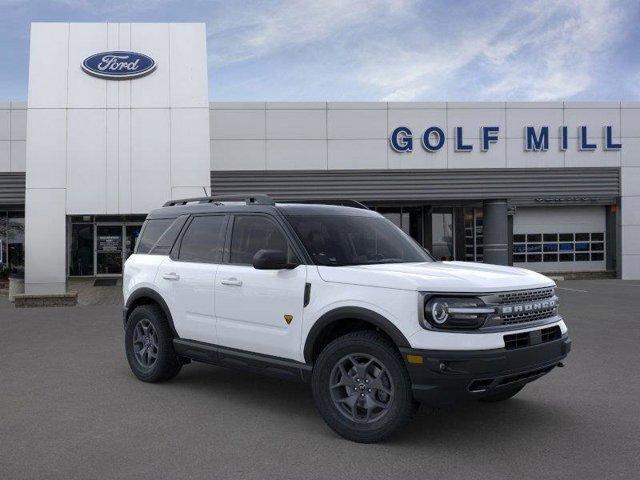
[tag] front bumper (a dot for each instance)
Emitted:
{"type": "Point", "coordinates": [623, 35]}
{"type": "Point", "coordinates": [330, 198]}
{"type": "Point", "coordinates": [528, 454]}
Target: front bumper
{"type": "Point", "coordinates": [448, 376]}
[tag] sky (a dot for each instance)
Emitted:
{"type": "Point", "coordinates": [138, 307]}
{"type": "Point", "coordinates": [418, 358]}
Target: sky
{"type": "Point", "coordinates": [377, 50]}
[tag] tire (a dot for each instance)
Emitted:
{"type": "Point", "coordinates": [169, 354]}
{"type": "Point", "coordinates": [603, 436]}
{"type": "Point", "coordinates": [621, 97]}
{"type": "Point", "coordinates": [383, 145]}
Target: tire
{"type": "Point", "coordinates": [501, 395]}
{"type": "Point", "coordinates": [147, 327]}
{"type": "Point", "coordinates": [367, 409]}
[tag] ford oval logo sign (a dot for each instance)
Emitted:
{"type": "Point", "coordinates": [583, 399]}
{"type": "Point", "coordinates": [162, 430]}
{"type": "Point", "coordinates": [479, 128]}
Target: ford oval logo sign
{"type": "Point", "coordinates": [118, 65]}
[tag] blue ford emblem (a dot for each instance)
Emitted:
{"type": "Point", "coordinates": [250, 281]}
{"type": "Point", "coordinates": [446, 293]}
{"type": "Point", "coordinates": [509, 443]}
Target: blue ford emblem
{"type": "Point", "coordinates": [118, 65]}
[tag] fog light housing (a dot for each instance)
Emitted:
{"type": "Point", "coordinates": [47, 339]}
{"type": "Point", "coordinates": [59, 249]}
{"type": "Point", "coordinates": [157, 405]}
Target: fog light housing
{"type": "Point", "coordinates": [451, 313]}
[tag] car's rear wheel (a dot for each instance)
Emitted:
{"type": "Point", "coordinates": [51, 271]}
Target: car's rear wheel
{"type": "Point", "coordinates": [502, 395]}
{"type": "Point", "coordinates": [361, 387]}
{"type": "Point", "coordinates": [149, 345]}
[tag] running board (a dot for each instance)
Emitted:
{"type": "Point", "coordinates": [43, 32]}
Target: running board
{"type": "Point", "coordinates": [241, 359]}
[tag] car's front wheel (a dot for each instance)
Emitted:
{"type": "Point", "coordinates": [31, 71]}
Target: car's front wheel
{"type": "Point", "coordinates": [361, 387]}
{"type": "Point", "coordinates": [149, 345]}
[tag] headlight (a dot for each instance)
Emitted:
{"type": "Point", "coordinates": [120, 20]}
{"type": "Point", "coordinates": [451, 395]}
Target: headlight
{"type": "Point", "coordinates": [455, 312]}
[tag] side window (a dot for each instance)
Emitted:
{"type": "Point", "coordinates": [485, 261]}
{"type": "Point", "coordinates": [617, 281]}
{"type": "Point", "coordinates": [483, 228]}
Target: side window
{"type": "Point", "coordinates": [204, 240]}
{"type": "Point", "coordinates": [151, 233]}
{"type": "Point", "coordinates": [252, 233]}
{"type": "Point", "coordinates": [168, 238]}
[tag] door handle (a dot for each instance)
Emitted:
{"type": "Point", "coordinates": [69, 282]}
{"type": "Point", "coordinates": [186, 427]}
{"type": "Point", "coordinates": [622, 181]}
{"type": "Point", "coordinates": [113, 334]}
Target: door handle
{"type": "Point", "coordinates": [171, 276]}
{"type": "Point", "coordinates": [234, 282]}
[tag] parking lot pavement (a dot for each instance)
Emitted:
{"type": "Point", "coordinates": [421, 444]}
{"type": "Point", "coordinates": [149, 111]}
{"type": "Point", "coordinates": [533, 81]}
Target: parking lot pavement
{"type": "Point", "coordinates": [71, 409]}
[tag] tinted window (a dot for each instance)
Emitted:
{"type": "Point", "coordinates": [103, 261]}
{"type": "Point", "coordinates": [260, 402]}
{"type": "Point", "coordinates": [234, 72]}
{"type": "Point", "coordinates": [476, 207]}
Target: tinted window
{"type": "Point", "coordinates": [204, 240]}
{"type": "Point", "coordinates": [168, 238]}
{"type": "Point", "coordinates": [151, 233]}
{"type": "Point", "coordinates": [252, 233]}
{"type": "Point", "coordinates": [353, 240]}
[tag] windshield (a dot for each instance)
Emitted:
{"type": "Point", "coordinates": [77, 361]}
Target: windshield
{"type": "Point", "coordinates": [338, 240]}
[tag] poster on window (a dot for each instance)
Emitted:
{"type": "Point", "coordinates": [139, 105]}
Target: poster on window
{"type": "Point", "coordinates": [109, 243]}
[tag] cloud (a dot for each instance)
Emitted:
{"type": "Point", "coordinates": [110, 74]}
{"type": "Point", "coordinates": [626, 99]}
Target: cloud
{"type": "Point", "coordinates": [542, 51]}
{"type": "Point", "coordinates": [263, 28]}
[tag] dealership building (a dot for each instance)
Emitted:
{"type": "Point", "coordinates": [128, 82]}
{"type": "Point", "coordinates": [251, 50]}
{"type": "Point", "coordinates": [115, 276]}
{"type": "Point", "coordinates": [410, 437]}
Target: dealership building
{"type": "Point", "coordinates": [118, 121]}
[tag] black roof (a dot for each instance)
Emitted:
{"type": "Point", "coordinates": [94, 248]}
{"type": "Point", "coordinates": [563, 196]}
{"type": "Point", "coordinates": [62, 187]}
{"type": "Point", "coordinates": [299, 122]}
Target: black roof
{"type": "Point", "coordinates": [257, 203]}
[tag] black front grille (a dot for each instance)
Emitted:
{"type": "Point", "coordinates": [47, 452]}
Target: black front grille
{"type": "Point", "coordinates": [535, 337]}
{"type": "Point", "coordinates": [524, 317]}
{"type": "Point", "coordinates": [525, 295]}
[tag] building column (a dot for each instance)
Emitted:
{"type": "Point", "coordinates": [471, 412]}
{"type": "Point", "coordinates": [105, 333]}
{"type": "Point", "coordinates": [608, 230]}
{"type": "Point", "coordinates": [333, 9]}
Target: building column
{"type": "Point", "coordinates": [45, 241]}
{"type": "Point", "coordinates": [495, 232]}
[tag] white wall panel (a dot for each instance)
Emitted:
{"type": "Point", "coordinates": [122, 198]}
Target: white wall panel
{"type": "Point", "coordinates": [150, 159]}
{"type": "Point", "coordinates": [357, 154]}
{"type": "Point", "coordinates": [124, 86]}
{"type": "Point", "coordinates": [47, 148]}
{"type": "Point", "coordinates": [630, 120]}
{"type": "Point", "coordinates": [238, 124]}
{"type": "Point", "coordinates": [190, 165]}
{"type": "Point", "coordinates": [296, 124]}
{"type": "Point", "coordinates": [598, 158]}
{"type": "Point", "coordinates": [630, 181]}
{"type": "Point", "coordinates": [418, 158]}
{"type": "Point", "coordinates": [296, 154]}
{"type": "Point", "coordinates": [18, 124]}
{"type": "Point", "coordinates": [124, 161]}
{"type": "Point", "coordinates": [630, 153]}
{"type": "Point", "coordinates": [630, 211]}
{"type": "Point", "coordinates": [517, 157]}
{"type": "Point", "coordinates": [592, 118]}
{"type": "Point", "coordinates": [357, 124]}
{"type": "Point", "coordinates": [113, 43]}
{"type": "Point", "coordinates": [188, 54]}
{"type": "Point", "coordinates": [5, 156]}
{"type": "Point", "coordinates": [48, 62]}
{"type": "Point", "coordinates": [630, 267]}
{"type": "Point", "coordinates": [238, 155]}
{"type": "Point", "coordinates": [86, 161]}
{"type": "Point", "coordinates": [86, 91]}
{"type": "Point", "coordinates": [5, 124]}
{"type": "Point", "coordinates": [631, 239]}
{"type": "Point", "coordinates": [45, 241]}
{"type": "Point", "coordinates": [495, 157]}
{"type": "Point", "coordinates": [18, 156]}
{"type": "Point", "coordinates": [472, 119]}
{"type": "Point", "coordinates": [152, 91]}
{"type": "Point", "coordinates": [111, 162]}
{"type": "Point", "coordinates": [518, 118]}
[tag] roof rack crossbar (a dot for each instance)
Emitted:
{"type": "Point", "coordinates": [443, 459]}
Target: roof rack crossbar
{"type": "Point", "coordinates": [253, 199]}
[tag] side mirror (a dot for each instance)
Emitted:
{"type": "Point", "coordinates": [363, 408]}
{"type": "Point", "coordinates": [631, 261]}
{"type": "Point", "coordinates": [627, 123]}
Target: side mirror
{"type": "Point", "coordinates": [271, 260]}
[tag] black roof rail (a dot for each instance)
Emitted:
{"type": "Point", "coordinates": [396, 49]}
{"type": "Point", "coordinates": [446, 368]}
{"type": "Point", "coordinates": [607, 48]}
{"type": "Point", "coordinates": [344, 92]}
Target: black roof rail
{"type": "Point", "coordinates": [342, 203]}
{"type": "Point", "coordinates": [254, 199]}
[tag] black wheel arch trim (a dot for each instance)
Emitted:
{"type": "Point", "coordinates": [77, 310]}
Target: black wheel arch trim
{"type": "Point", "coordinates": [352, 313]}
{"type": "Point", "coordinates": [151, 294]}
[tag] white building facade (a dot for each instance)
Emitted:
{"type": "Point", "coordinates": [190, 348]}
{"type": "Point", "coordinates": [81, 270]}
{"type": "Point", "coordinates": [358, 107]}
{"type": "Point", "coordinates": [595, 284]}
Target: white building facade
{"type": "Point", "coordinates": [551, 186]}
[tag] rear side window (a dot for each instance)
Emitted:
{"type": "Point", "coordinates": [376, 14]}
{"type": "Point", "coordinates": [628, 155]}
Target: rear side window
{"type": "Point", "coordinates": [151, 232]}
{"type": "Point", "coordinates": [168, 238]}
{"type": "Point", "coordinates": [204, 240]}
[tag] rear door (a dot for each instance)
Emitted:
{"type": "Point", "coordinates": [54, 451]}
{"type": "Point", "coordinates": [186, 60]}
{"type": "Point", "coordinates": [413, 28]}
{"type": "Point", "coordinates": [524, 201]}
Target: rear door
{"type": "Point", "coordinates": [259, 310]}
{"type": "Point", "coordinates": [187, 277]}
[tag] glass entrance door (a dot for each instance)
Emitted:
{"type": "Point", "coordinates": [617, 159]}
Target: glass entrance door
{"type": "Point", "coordinates": [109, 249]}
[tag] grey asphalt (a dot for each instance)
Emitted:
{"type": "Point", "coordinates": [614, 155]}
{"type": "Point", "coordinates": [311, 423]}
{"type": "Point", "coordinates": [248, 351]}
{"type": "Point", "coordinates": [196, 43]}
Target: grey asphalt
{"type": "Point", "coordinates": [71, 409]}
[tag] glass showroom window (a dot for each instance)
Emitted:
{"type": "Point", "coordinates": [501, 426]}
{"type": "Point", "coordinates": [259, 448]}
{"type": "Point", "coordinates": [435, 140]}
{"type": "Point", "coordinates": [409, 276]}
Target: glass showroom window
{"type": "Point", "coordinates": [11, 243]}
{"type": "Point", "coordinates": [473, 241]}
{"type": "Point", "coordinates": [558, 247]}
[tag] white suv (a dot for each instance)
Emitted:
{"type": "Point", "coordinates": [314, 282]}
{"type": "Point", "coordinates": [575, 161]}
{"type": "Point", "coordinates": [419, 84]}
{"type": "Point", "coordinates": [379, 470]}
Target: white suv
{"type": "Point", "coordinates": [336, 296]}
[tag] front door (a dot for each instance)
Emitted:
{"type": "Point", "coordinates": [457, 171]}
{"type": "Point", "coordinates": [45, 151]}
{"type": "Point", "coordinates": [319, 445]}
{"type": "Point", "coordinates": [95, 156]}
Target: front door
{"type": "Point", "coordinates": [109, 249]}
{"type": "Point", "coordinates": [259, 310]}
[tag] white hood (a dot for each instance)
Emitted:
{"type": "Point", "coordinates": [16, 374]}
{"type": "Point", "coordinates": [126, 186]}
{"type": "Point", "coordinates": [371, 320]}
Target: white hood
{"type": "Point", "coordinates": [462, 277]}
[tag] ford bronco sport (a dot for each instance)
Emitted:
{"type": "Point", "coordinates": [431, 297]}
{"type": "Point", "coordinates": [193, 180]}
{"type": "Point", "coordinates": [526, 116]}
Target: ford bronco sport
{"type": "Point", "coordinates": [336, 296]}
